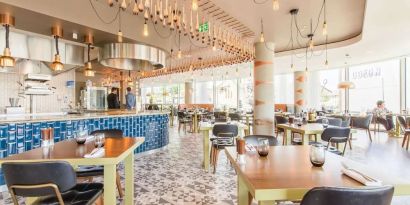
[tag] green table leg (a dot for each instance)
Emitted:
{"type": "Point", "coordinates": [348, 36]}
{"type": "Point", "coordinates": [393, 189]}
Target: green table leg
{"type": "Point", "coordinates": [286, 137]}
{"type": "Point", "coordinates": [266, 202]}
{"type": "Point", "coordinates": [205, 136]}
{"type": "Point", "coordinates": [244, 197]}
{"type": "Point", "coordinates": [305, 139]}
{"type": "Point", "coordinates": [109, 183]}
{"type": "Point", "coordinates": [129, 179]}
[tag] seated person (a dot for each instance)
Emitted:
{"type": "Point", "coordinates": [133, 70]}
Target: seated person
{"type": "Point", "coordinates": [383, 115]}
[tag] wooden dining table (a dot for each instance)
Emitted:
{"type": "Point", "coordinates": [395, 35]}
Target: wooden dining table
{"type": "Point", "coordinates": [116, 150]}
{"type": "Point", "coordinates": [305, 130]}
{"type": "Point", "coordinates": [287, 174]}
{"type": "Point", "coordinates": [206, 127]}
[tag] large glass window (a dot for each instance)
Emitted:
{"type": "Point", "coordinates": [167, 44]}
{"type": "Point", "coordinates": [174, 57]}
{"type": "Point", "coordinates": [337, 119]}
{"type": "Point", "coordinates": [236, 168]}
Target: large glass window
{"type": "Point", "coordinates": [323, 89]}
{"type": "Point", "coordinates": [283, 89]}
{"type": "Point", "coordinates": [226, 94]}
{"type": "Point", "coordinates": [373, 82]}
{"type": "Point", "coordinates": [204, 92]}
{"type": "Point", "coordinates": [245, 94]}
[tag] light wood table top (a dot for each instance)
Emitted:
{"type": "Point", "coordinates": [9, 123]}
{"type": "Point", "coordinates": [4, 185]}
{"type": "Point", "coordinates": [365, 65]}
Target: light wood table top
{"type": "Point", "coordinates": [309, 128]}
{"type": "Point", "coordinates": [116, 149]}
{"type": "Point", "coordinates": [286, 173]}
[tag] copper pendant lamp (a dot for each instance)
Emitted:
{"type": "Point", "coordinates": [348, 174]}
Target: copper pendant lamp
{"type": "Point", "coordinates": [56, 65]}
{"type": "Point", "coordinates": [88, 71]}
{"type": "Point", "coordinates": [6, 60]}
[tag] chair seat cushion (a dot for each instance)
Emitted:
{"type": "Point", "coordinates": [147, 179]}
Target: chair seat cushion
{"type": "Point", "coordinates": [90, 171]}
{"type": "Point", "coordinates": [80, 194]}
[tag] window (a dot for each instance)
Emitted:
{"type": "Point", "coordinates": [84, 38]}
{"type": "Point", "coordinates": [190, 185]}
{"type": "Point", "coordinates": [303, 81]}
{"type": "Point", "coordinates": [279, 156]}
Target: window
{"type": "Point", "coordinates": [373, 82]}
{"type": "Point", "coordinates": [204, 92]}
{"type": "Point", "coordinates": [283, 89]}
{"type": "Point", "coordinates": [245, 94]}
{"type": "Point", "coordinates": [226, 94]}
{"type": "Point", "coordinates": [323, 89]}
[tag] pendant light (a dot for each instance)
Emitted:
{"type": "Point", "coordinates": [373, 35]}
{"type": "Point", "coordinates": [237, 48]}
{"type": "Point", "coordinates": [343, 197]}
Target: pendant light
{"type": "Point", "coordinates": [119, 34]}
{"type": "Point", "coordinates": [275, 5]}
{"type": "Point", "coordinates": [324, 28]}
{"type": "Point", "coordinates": [57, 33]}
{"type": "Point", "coordinates": [6, 60]}
{"type": "Point", "coordinates": [145, 30]}
{"type": "Point", "coordinates": [88, 70]}
{"type": "Point", "coordinates": [262, 38]}
{"type": "Point", "coordinates": [194, 5]}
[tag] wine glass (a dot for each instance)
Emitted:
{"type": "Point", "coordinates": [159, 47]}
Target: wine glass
{"type": "Point", "coordinates": [317, 155]}
{"type": "Point", "coordinates": [81, 136]}
{"type": "Point", "coordinates": [325, 122]}
{"type": "Point", "coordinates": [263, 147]}
{"type": "Point", "coordinates": [99, 140]}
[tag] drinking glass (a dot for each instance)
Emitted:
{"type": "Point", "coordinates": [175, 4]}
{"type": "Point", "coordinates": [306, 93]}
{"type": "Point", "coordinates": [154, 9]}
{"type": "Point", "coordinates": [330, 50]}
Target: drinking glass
{"type": "Point", "coordinates": [81, 137]}
{"type": "Point", "coordinates": [99, 140]}
{"type": "Point", "coordinates": [263, 147]}
{"type": "Point", "coordinates": [317, 155]}
{"type": "Point", "coordinates": [325, 122]}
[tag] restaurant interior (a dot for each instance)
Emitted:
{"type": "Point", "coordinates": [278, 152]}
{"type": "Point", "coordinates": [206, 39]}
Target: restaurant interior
{"type": "Point", "coordinates": [205, 102]}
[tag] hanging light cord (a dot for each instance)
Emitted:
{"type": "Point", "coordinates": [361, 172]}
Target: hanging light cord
{"type": "Point", "coordinates": [7, 35]}
{"type": "Point", "coordinates": [159, 34]}
{"type": "Point", "coordinates": [89, 50]}
{"type": "Point", "coordinates": [57, 51]}
{"type": "Point", "coordinates": [101, 19]}
{"type": "Point", "coordinates": [260, 2]}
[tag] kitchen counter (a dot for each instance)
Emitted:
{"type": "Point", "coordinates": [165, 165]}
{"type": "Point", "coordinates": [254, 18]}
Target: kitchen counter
{"type": "Point", "coordinates": [44, 117]}
{"type": "Point", "coordinates": [22, 134]}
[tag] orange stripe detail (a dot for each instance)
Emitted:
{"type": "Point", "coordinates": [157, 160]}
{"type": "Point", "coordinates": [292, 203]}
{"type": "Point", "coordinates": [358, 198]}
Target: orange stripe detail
{"type": "Point", "coordinates": [259, 63]}
{"type": "Point", "coordinates": [259, 102]}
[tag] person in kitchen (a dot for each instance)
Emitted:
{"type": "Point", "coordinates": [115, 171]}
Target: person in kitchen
{"type": "Point", "coordinates": [112, 99]}
{"type": "Point", "coordinates": [129, 99]}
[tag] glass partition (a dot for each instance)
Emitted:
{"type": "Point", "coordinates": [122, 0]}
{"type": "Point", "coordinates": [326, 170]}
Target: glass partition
{"type": "Point", "coordinates": [226, 94]}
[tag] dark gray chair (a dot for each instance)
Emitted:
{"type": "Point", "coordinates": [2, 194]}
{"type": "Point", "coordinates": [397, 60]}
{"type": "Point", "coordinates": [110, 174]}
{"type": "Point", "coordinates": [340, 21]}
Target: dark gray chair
{"type": "Point", "coordinates": [363, 123]}
{"type": "Point", "coordinates": [89, 172]}
{"type": "Point", "coordinates": [183, 119]}
{"type": "Point", "coordinates": [52, 182]}
{"type": "Point", "coordinates": [235, 116]}
{"type": "Point", "coordinates": [348, 196]}
{"type": "Point", "coordinates": [406, 130]}
{"type": "Point", "coordinates": [336, 135]}
{"type": "Point", "coordinates": [224, 136]}
{"type": "Point", "coordinates": [253, 139]}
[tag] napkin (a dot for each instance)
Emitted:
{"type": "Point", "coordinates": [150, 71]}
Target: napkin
{"type": "Point", "coordinates": [360, 176]}
{"type": "Point", "coordinates": [89, 138]}
{"type": "Point", "coordinates": [96, 153]}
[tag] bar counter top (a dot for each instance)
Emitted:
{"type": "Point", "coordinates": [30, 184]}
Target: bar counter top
{"type": "Point", "coordinates": [44, 117]}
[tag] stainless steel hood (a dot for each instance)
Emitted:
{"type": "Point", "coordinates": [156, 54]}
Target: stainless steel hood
{"type": "Point", "coordinates": [135, 57]}
{"type": "Point", "coordinates": [25, 45]}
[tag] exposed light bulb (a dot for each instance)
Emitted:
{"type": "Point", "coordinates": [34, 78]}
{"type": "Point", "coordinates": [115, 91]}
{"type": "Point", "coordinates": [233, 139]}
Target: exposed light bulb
{"type": "Point", "coordinates": [311, 45]}
{"type": "Point", "coordinates": [327, 63]}
{"type": "Point", "coordinates": [262, 38]}
{"type": "Point", "coordinates": [291, 66]}
{"type": "Point", "coordinates": [145, 32]}
{"type": "Point", "coordinates": [124, 4]}
{"type": "Point", "coordinates": [324, 29]}
{"type": "Point", "coordinates": [179, 53]}
{"type": "Point", "coordinates": [275, 5]}
{"type": "Point", "coordinates": [214, 48]}
{"type": "Point", "coordinates": [194, 5]}
{"type": "Point", "coordinates": [119, 36]}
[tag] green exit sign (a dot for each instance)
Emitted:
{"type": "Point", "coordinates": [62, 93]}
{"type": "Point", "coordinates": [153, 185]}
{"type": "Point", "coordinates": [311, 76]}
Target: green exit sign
{"type": "Point", "coordinates": [204, 27]}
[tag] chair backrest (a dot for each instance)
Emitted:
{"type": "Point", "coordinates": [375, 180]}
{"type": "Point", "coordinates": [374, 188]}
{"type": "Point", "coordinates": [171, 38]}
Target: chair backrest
{"type": "Point", "coordinates": [336, 132]}
{"type": "Point", "coordinates": [181, 115]}
{"type": "Point", "coordinates": [348, 196]}
{"type": "Point", "coordinates": [235, 116]}
{"type": "Point", "coordinates": [59, 173]}
{"type": "Point", "coordinates": [362, 122]}
{"type": "Point", "coordinates": [281, 119]}
{"type": "Point", "coordinates": [109, 133]}
{"type": "Point", "coordinates": [346, 122]}
{"type": "Point", "coordinates": [332, 121]}
{"type": "Point", "coordinates": [220, 114]}
{"type": "Point", "coordinates": [253, 139]}
{"type": "Point", "coordinates": [402, 122]}
{"type": "Point", "coordinates": [219, 129]}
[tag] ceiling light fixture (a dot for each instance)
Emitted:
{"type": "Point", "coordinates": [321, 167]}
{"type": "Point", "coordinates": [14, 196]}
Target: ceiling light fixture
{"type": "Point", "coordinates": [275, 5]}
{"type": "Point", "coordinates": [57, 33]}
{"type": "Point", "coordinates": [6, 60]}
{"type": "Point", "coordinates": [324, 27]}
{"type": "Point", "coordinates": [88, 70]}
{"type": "Point", "coordinates": [262, 38]}
{"type": "Point", "coordinates": [119, 34]}
{"type": "Point", "coordinates": [145, 32]}
{"type": "Point", "coordinates": [194, 5]}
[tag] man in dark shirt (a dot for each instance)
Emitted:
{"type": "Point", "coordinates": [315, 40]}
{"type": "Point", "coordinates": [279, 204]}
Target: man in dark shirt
{"type": "Point", "coordinates": [112, 99]}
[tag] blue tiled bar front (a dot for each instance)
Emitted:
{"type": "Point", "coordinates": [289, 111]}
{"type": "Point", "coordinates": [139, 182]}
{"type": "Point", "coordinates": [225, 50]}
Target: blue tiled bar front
{"type": "Point", "coordinates": [20, 136]}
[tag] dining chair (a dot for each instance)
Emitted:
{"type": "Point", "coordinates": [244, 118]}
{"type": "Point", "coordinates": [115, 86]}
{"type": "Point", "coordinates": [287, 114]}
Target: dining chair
{"type": "Point", "coordinates": [224, 136]}
{"type": "Point", "coordinates": [406, 130]}
{"type": "Point", "coordinates": [336, 135]}
{"type": "Point", "coordinates": [332, 121]}
{"type": "Point", "coordinates": [363, 123]}
{"type": "Point", "coordinates": [253, 139]}
{"type": "Point", "coordinates": [183, 119]}
{"type": "Point", "coordinates": [348, 196]}
{"type": "Point", "coordinates": [280, 120]}
{"type": "Point", "coordinates": [53, 182]}
{"type": "Point", "coordinates": [89, 172]}
{"type": "Point", "coordinates": [234, 116]}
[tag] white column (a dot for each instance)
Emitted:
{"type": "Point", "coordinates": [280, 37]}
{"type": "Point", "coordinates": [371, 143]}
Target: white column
{"type": "Point", "coordinates": [263, 87]}
{"type": "Point", "coordinates": [300, 91]}
{"type": "Point", "coordinates": [189, 91]}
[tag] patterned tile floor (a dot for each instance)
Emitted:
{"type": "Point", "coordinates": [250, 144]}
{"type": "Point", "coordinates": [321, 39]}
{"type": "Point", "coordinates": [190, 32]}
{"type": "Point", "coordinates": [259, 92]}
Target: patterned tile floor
{"type": "Point", "coordinates": [175, 177]}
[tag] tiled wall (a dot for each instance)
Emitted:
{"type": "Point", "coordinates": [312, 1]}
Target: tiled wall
{"type": "Point", "coordinates": [51, 103]}
{"type": "Point", "coordinates": [17, 138]}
